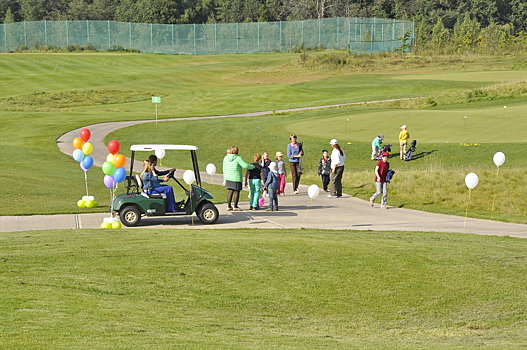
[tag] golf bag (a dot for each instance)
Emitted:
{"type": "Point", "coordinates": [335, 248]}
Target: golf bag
{"type": "Point", "coordinates": [385, 148]}
{"type": "Point", "coordinates": [300, 165]}
{"type": "Point", "coordinates": [408, 156]}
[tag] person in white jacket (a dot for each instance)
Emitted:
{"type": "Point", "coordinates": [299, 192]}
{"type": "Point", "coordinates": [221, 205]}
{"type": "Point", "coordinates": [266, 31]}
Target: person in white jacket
{"type": "Point", "coordinates": [338, 157]}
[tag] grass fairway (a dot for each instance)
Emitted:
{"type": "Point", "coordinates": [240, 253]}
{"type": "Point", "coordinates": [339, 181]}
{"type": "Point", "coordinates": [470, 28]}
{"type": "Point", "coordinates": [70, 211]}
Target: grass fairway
{"type": "Point", "coordinates": [46, 95]}
{"type": "Point", "coordinates": [250, 289]}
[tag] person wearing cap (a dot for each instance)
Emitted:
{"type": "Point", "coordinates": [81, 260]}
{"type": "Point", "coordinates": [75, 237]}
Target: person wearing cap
{"type": "Point", "coordinates": [338, 157]}
{"type": "Point", "coordinates": [404, 135]}
{"type": "Point", "coordinates": [381, 186]}
{"type": "Point", "coordinates": [282, 174]}
{"type": "Point", "coordinates": [376, 146]}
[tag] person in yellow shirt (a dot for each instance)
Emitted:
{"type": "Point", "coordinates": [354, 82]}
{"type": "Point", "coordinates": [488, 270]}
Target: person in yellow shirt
{"type": "Point", "coordinates": [404, 135]}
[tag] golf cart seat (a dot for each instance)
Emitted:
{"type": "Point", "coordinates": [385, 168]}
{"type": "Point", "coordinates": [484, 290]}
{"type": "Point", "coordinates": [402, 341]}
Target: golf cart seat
{"type": "Point", "coordinates": [144, 193]}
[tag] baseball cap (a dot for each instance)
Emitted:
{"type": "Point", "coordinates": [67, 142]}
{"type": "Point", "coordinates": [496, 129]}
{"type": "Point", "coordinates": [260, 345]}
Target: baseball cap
{"type": "Point", "coordinates": [386, 154]}
{"type": "Point", "coordinates": [333, 142]}
{"type": "Point", "coordinates": [381, 136]}
{"type": "Point", "coordinates": [403, 127]}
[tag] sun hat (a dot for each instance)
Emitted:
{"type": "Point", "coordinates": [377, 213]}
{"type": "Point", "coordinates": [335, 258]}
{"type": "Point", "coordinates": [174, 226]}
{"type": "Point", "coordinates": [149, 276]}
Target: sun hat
{"type": "Point", "coordinates": [386, 154]}
{"type": "Point", "coordinates": [278, 154]}
{"type": "Point", "coordinates": [381, 136]}
{"type": "Point", "coordinates": [333, 142]}
{"type": "Point", "coordinates": [403, 127]}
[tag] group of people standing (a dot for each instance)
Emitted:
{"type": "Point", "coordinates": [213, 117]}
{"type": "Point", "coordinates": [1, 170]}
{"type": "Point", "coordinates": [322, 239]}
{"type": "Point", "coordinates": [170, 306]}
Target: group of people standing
{"type": "Point", "coordinates": [270, 175]}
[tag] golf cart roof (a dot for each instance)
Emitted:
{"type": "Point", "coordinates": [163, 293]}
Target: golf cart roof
{"type": "Point", "coordinates": [165, 147]}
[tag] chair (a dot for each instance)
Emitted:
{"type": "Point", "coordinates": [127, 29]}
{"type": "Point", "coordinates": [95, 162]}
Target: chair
{"type": "Point", "coordinates": [145, 194]}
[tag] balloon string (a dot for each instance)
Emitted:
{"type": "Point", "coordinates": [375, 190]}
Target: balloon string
{"type": "Point", "coordinates": [310, 200]}
{"type": "Point", "coordinates": [86, 181]}
{"type": "Point", "coordinates": [492, 210]}
{"type": "Point", "coordinates": [466, 212]}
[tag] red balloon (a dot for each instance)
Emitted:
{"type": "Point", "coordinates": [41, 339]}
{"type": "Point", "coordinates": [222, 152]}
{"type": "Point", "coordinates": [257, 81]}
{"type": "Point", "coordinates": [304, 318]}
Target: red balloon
{"type": "Point", "coordinates": [113, 147]}
{"type": "Point", "coordinates": [85, 135]}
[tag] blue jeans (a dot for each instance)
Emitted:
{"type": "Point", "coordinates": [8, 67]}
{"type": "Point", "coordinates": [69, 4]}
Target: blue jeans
{"type": "Point", "coordinates": [255, 185]}
{"type": "Point", "coordinates": [273, 199]}
{"type": "Point", "coordinates": [169, 192]}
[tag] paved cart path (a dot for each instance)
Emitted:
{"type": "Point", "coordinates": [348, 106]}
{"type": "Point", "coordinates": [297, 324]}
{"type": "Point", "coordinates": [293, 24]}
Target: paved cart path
{"type": "Point", "coordinates": [295, 211]}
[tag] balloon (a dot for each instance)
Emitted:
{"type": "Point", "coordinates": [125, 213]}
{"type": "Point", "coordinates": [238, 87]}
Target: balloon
{"type": "Point", "coordinates": [108, 181]}
{"type": "Point", "coordinates": [261, 202]}
{"type": "Point", "coordinates": [81, 203]}
{"type": "Point", "coordinates": [110, 157]}
{"type": "Point", "coordinates": [313, 191]}
{"type": "Point", "coordinates": [211, 169]}
{"type": "Point", "coordinates": [119, 175]}
{"type": "Point", "coordinates": [160, 153]}
{"type": "Point", "coordinates": [85, 134]}
{"type": "Point", "coordinates": [78, 143]}
{"type": "Point", "coordinates": [89, 204]}
{"type": "Point", "coordinates": [78, 155]}
{"type": "Point", "coordinates": [106, 225]}
{"type": "Point", "coordinates": [87, 162]}
{"type": "Point", "coordinates": [499, 158]}
{"type": "Point", "coordinates": [116, 224]}
{"type": "Point", "coordinates": [471, 180]}
{"type": "Point", "coordinates": [87, 148]}
{"type": "Point", "coordinates": [95, 204]}
{"type": "Point", "coordinates": [114, 147]}
{"type": "Point", "coordinates": [119, 160]}
{"type": "Point", "coordinates": [91, 198]}
{"type": "Point", "coordinates": [189, 177]}
{"type": "Point", "coordinates": [108, 168]}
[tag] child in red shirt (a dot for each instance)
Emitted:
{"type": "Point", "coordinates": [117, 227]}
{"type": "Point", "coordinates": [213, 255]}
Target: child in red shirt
{"type": "Point", "coordinates": [381, 186]}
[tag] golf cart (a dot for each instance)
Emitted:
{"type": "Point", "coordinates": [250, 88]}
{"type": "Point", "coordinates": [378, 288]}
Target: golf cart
{"type": "Point", "coordinates": [137, 203]}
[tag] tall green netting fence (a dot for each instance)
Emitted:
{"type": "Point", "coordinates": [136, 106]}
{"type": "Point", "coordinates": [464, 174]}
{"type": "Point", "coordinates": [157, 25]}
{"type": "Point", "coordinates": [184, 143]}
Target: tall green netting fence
{"type": "Point", "coordinates": [360, 35]}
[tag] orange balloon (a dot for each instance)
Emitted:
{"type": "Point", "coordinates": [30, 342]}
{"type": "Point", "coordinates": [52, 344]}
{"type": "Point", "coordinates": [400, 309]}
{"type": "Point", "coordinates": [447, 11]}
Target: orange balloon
{"type": "Point", "coordinates": [119, 160]}
{"type": "Point", "coordinates": [78, 143]}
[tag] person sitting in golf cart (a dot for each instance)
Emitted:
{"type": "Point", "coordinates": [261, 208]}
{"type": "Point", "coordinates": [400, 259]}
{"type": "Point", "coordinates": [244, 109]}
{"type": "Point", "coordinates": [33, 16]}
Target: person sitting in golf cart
{"type": "Point", "coordinates": [152, 184]}
{"type": "Point", "coordinates": [153, 159]}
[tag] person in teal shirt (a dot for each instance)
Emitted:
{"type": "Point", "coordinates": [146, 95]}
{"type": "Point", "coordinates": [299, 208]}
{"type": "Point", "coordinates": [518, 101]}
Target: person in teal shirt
{"type": "Point", "coordinates": [376, 146]}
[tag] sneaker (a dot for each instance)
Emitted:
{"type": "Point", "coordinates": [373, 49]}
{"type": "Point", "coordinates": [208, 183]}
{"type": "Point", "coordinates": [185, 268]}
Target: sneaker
{"type": "Point", "coordinates": [229, 208]}
{"type": "Point", "coordinates": [269, 209]}
{"type": "Point", "coordinates": [256, 208]}
{"type": "Point", "coordinates": [275, 209]}
{"type": "Point", "coordinates": [331, 196]}
{"type": "Point", "coordinates": [384, 207]}
{"type": "Point", "coordinates": [250, 208]}
{"type": "Point", "coordinates": [296, 192]}
{"type": "Point", "coordinates": [371, 203]}
{"type": "Point", "coordinates": [253, 208]}
{"type": "Point", "coordinates": [237, 209]}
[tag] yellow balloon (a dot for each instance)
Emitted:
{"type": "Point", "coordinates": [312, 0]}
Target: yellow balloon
{"type": "Point", "coordinates": [110, 157]}
{"type": "Point", "coordinates": [116, 224]}
{"type": "Point", "coordinates": [81, 203]}
{"type": "Point", "coordinates": [87, 148]}
{"type": "Point", "coordinates": [106, 225]}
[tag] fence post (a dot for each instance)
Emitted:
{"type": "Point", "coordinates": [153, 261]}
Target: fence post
{"type": "Point", "coordinates": [25, 34]}
{"type": "Point", "coordinates": [109, 39]}
{"type": "Point", "coordinates": [45, 32]}
{"type": "Point", "coordinates": [173, 38]}
{"type": "Point", "coordinates": [237, 39]}
{"type": "Point", "coordinates": [280, 47]}
{"type": "Point", "coordinates": [319, 32]}
{"type": "Point", "coordinates": [194, 38]}
{"type": "Point", "coordinates": [372, 34]}
{"type": "Point", "coordinates": [338, 24]}
{"type": "Point", "coordinates": [258, 36]}
{"type": "Point", "coordinates": [5, 38]}
{"type": "Point", "coordinates": [87, 31]}
{"type": "Point", "coordinates": [151, 37]}
{"type": "Point", "coordinates": [303, 43]}
{"type": "Point", "coordinates": [130, 34]}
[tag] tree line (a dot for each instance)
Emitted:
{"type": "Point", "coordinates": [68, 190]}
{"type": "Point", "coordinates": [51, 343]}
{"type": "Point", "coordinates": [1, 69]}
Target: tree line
{"type": "Point", "coordinates": [441, 25]}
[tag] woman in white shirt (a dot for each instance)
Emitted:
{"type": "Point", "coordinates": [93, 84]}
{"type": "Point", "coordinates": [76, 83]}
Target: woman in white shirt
{"type": "Point", "coordinates": [337, 169]}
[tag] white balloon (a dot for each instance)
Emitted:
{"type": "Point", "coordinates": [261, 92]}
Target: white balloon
{"type": "Point", "coordinates": [499, 158]}
{"type": "Point", "coordinates": [471, 180]}
{"type": "Point", "coordinates": [107, 220]}
{"type": "Point", "coordinates": [160, 153]}
{"type": "Point", "coordinates": [85, 198]}
{"type": "Point", "coordinates": [189, 177]}
{"type": "Point", "coordinates": [313, 191]}
{"type": "Point", "coordinates": [211, 169]}
{"type": "Point", "coordinates": [91, 198]}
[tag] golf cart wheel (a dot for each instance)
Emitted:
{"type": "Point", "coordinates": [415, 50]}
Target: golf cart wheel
{"type": "Point", "coordinates": [208, 213]}
{"type": "Point", "coordinates": [130, 216]}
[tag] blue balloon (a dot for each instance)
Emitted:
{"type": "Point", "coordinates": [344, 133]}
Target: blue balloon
{"type": "Point", "coordinates": [78, 155]}
{"type": "Point", "coordinates": [119, 175]}
{"type": "Point", "coordinates": [87, 162]}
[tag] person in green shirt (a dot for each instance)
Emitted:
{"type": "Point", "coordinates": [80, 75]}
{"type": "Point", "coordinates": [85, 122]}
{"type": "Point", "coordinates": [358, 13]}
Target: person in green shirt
{"type": "Point", "coordinates": [376, 146]}
{"type": "Point", "coordinates": [232, 176]}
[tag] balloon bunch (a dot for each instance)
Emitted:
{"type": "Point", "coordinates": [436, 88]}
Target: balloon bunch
{"type": "Point", "coordinates": [110, 223]}
{"type": "Point", "coordinates": [113, 167]}
{"type": "Point", "coordinates": [81, 153]}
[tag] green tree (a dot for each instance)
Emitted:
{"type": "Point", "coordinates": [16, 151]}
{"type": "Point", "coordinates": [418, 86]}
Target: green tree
{"type": "Point", "coordinates": [466, 34]}
{"type": "Point", "coordinates": [440, 37]}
